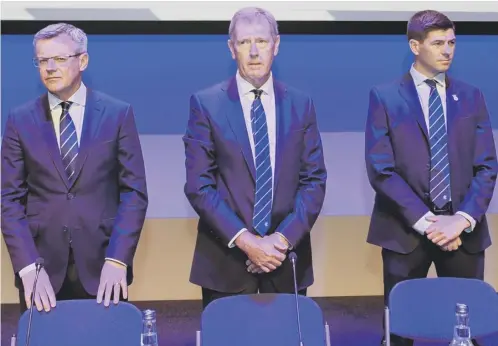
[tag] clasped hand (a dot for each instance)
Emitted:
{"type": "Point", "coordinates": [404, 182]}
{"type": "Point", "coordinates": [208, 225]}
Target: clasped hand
{"type": "Point", "coordinates": [265, 254]}
{"type": "Point", "coordinates": [445, 231]}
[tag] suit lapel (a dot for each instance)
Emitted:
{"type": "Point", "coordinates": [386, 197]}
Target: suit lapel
{"type": "Point", "coordinates": [451, 106]}
{"type": "Point", "coordinates": [409, 92]}
{"type": "Point", "coordinates": [235, 117]}
{"type": "Point", "coordinates": [282, 110]}
{"type": "Point", "coordinates": [91, 124]}
{"type": "Point", "coordinates": [48, 134]}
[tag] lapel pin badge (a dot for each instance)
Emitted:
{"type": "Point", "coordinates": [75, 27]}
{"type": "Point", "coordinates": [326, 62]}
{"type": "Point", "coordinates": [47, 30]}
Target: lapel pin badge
{"type": "Point", "coordinates": [455, 97]}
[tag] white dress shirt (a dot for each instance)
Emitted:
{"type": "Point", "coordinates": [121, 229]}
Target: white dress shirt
{"type": "Point", "coordinates": [77, 112]}
{"type": "Point", "coordinates": [268, 100]}
{"type": "Point", "coordinates": [423, 91]}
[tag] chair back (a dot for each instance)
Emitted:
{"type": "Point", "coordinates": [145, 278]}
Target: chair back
{"type": "Point", "coordinates": [83, 323]}
{"type": "Point", "coordinates": [425, 308]}
{"type": "Point", "coordinates": [263, 320]}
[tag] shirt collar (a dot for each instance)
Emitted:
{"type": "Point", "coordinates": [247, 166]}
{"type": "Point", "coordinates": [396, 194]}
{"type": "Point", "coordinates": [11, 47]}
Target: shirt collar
{"type": "Point", "coordinates": [79, 98]}
{"type": "Point", "coordinates": [245, 87]}
{"type": "Point", "coordinates": [420, 79]}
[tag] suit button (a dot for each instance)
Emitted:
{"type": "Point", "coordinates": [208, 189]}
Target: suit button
{"type": "Point", "coordinates": [65, 229]}
{"type": "Point", "coordinates": [70, 196]}
{"type": "Point", "coordinates": [426, 194]}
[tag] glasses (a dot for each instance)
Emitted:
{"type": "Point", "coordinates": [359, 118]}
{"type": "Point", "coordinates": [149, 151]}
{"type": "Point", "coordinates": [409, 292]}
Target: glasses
{"type": "Point", "coordinates": [58, 60]}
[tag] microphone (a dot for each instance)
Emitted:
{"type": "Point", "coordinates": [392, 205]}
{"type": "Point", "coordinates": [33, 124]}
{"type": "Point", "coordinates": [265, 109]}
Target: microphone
{"type": "Point", "coordinates": [38, 265]}
{"type": "Point", "coordinates": [293, 259]}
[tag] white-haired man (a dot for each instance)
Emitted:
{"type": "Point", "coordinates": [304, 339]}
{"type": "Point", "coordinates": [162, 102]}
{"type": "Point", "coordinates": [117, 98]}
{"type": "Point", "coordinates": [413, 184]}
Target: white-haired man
{"type": "Point", "coordinates": [73, 182]}
{"type": "Point", "coordinates": [255, 171]}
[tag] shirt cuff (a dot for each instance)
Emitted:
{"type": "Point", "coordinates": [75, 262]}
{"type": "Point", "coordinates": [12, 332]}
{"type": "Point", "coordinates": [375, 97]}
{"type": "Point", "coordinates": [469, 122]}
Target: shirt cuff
{"type": "Point", "coordinates": [469, 219]}
{"type": "Point", "coordinates": [115, 260]}
{"type": "Point", "coordinates": [27, 269]}
{"type": "Point", "coordinates": [231, 244]}
{"type": "Point", "coordinates": [422, 224]}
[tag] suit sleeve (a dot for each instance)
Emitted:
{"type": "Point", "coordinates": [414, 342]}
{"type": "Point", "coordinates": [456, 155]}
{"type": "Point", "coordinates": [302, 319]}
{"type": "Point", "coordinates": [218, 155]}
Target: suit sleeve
{"type": "Point", "coordinates": [15, 228]}
{"type": "Point", "coordinates": [133, 195]}
{"type": "Point", "coordinates": [478, 197]}
{"type": "Point", "coordinates": [380, 165]}
{"type": "Point", "coordinates": [312, 185]}
{"type": "Point", "coordinates": [201, 169]}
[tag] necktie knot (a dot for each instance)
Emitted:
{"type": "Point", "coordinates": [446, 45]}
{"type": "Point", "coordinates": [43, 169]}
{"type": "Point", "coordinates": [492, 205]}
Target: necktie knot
{"type": "Point", "coordinates": [65, 106]}
{"type": "Point", "coordinates": [257, 93]}
{"type": "Point", "coordinates": [431, 82]}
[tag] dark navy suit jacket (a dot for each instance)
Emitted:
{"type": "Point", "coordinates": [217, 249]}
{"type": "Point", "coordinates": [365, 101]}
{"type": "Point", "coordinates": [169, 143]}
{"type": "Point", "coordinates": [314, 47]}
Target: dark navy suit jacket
{"type": "Point", "coordinates": [221, 184]}
{"type": "Point", "coordinates": [397, 158]}
{"type": "Point", "coordinates": [100, 213]}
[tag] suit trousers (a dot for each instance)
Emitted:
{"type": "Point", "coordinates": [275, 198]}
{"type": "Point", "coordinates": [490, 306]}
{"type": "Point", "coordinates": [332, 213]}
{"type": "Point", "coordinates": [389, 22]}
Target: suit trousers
{"type": "Point", "coordinates": [262, 285]}
{"type": "Point", "coordinates": [400, 267]}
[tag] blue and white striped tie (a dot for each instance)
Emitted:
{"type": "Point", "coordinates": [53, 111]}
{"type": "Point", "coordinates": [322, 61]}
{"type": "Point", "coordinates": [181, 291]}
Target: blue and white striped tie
{"type": "Point", "coordinates": [68, 141]}
{"type": "Point", "coordinates": [440, 166]}
{"type": "Point", "coordinates": [264, 177]}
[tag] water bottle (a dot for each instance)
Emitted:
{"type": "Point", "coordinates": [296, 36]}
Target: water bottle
{"type": "Point", "coordinates": [461, 334]}
{"type": "Point", "coordinates": [149, 330]}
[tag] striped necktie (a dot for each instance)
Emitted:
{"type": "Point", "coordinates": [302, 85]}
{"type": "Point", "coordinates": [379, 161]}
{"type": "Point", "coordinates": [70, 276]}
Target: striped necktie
{"type": "Point", "coordinates": [264, 177]}
{"type": "Point", "coordinates": [440, 166]}
{"type": "Point", "coordinates": [68, 141]}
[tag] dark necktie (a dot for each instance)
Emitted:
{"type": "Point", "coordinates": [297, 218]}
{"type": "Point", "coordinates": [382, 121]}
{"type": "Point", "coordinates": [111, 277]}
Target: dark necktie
{"type": "Point", "coordinates": [264, 177]}
{"type": "Point", "coordinates": [68, 141]}
{"type": "Point", "coordinates": [440, 166]}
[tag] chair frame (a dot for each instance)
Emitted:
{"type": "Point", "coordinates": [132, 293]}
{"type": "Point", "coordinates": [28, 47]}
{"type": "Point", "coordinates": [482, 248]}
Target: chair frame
{"type": "Point", "coordinates": [326, 326]}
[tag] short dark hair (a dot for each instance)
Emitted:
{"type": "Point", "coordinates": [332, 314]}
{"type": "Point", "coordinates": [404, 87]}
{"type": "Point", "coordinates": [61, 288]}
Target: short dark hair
{"type": "Point", "coordinates": [423, 22]}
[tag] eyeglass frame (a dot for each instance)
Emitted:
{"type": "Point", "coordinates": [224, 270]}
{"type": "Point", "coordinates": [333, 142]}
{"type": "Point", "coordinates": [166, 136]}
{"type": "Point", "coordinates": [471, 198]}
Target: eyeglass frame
{"type": "Point", "coordinates": [37, 63]}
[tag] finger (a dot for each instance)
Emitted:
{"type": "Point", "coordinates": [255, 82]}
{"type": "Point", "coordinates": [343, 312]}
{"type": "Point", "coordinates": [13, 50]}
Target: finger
{"type": "Point", "coordinates": [117, 293]}
{"type": "Point", "coordinates": [440, 238]}
{"type": "Point", "coordinates": [277, 255]}
{"type": "Point", "coordinates": [264, 268]}
{"type": "Point", "coordinates": [44, 299]}
{"type": "Point", "coordinates": [280, 246]}
{"type": "Point", "coordinates": [38, 302]}
{"type": "Point", "coordinates": [254, 269]}
{"type": "Point", "coordinates": [270, 266]}
{"type": "Point", "coordinates": [124, 287]}
{"type": "Point", "coordinates": [251, 268]}
{"type": "Point", "coordinates": [443, 242]}
{"type": "Point", "coordinates": [100, 292]}
{"type": "Point", "coordinates": [274, 262]}
{"type": "Point", "coordinates": [459, 241]}
{"type": "Point", "coordinates": [107, 294]}
{"type": "Point", "coordinates": [27, 298]}
{"type": "Point", "coordinates": [433, 218]}
{"type": "Point", "coordinates": [51, 295]}
{"type": "Point", "coordinates": [431, 234]}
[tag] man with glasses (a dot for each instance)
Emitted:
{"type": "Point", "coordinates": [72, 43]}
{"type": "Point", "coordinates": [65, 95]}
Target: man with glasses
{"type": "Point", "coordinates": [73, 182]}
{"type": "Point", "coordinates": [255, 171]}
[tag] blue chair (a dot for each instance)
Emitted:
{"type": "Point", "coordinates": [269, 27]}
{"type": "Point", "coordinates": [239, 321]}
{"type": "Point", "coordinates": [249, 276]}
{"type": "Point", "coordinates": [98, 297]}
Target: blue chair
{"type": "Point", "coordinates": [263, 320]}
{"type": "Point", "coordinates": [83, 323]}
{"type": "Point", "coordinates": [424, 309]}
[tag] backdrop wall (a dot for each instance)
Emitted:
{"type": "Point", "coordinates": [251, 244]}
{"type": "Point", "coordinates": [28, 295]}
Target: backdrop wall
{"type": "Point", "coordinates": [158, 73]}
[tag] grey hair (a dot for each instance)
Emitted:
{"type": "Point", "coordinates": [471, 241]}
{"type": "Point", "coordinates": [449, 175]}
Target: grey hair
{"type": "Point", "coordinates": [76, 34]}
{"type": "Point", "coordinates": [252, 14]}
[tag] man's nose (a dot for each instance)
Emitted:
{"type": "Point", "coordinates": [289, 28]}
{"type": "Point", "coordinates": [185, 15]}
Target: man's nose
{"type": "Point", "coordinates": [51, 66]}
{"type": "Point", "coordinates": [254, 50]}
